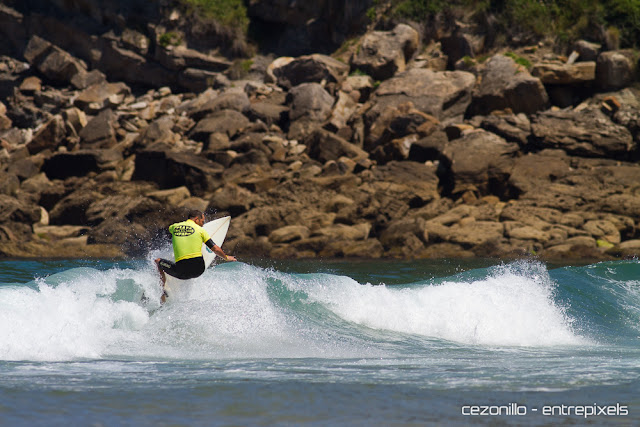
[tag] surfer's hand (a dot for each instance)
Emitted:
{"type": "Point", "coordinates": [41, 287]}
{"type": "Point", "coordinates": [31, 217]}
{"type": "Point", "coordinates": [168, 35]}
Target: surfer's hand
{"type": "Point", "coordinates": [230, 258]}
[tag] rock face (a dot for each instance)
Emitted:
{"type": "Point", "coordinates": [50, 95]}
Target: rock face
{"type": "Point", "coordinates": [507, 85]}
{"type": "Point", "coordinates": [107, 137]}
{"type": "Point", "coordinates": [383, 54]}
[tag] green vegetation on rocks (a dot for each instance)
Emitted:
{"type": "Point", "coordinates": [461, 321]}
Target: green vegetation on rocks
{"type": "Point", "coordinates": [230, 13]}
{"type": "Point", "coordinates": [566, 20]}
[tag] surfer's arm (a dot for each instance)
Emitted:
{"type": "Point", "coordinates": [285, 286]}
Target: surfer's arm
{"type": "Point", "coordinates": [218, 251]}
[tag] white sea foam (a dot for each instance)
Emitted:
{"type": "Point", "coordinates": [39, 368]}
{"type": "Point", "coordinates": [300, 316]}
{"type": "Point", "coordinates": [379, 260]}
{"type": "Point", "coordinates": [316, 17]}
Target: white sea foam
{"type": "Point", "coordinates": [513, 306]}
{"type": "Point", "coordinates": [68, 316]}
{"type": "Point", "coordinates": [225, 313]}
{"type": "Point", "coordinates": [237, 310]}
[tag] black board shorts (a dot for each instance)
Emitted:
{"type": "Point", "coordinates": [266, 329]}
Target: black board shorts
{"type": "Point", "coordinates": [184, 269]}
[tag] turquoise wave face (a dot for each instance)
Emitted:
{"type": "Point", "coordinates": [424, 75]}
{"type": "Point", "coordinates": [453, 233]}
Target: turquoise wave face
{"type": "Point", "coordinates": [603, 298]}
{"type": "Point", "coordinates": [238, 310]}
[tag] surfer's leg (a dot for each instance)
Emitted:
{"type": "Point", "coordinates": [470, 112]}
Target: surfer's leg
{"type": "Point", "coordinates": [163, 277]}
{"type": "Point", "coordinates": [161, 264]}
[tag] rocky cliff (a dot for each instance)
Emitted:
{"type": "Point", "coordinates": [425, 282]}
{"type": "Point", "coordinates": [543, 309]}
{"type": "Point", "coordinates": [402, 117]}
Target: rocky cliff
{"type": "Point", "coordinates": [396, 145]}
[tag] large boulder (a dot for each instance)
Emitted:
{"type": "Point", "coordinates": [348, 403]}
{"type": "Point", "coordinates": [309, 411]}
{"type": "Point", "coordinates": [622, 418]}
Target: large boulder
{"type": "Point", "coordinates": [386, 138]}
{"type": "Point", "coordinates": [210, 102]}
{"type": "Point", "coordinates": [324, 146]}
{"type": "Point", "coordinates": [382, 54]}
{"type": "Point", "coordinates": [72, 209]}
{"type": "Point", "coordinates": [197, 80]}
{"type": "Point", "coordinates": [14, 210]}
{"type": "Point", "coordinates": [158, 131]}
{"type": "Point", "coordinates": [228, 122]}
{"type": "Point", "coordinates": [171, 169]}
{"type": "Point", "coordinates": [534, 171]}
{"type": "Point", "coordinates": [613, 70]}
{"type": "Point", "coordinates": [558, 73]}
{"type": "Point", "coordinates": [54, 63]}
{"type": "Point", "coordinates": [180, 57]}
{"type": "Point", "coordinates": [585, 132]}
{"type": "Point", "coordinates": [314, 68]}
{"type": "Point", "coordinates": [269, 113]}
{"type": "Point", "coordinates": [101, 95]}
{"type": "Point", "coordinates": [49, 136]}
{"type": "Point", "coordinates": [441, 94]}
{"type": "Point", "coordinates": [512, 127]}
{"type": "Point", "coordinates": [126, 65]}
{"type": "Point", "coordinates": [233, 199]}
{"type": "Point", "coordinates": [396, 187]}
{"type": "Point", "coordinates": [100, 131]}
{"type": "Point", "coordinates": [480, 162]}
{"type": "Point", "coordinates": [79, 163]}
{"type": "Point", "coordinates": [309, 101]}
{"type": "Point", "coordinates": [503, 85]}
{"type": "Point", "coordinates": [344, 108]}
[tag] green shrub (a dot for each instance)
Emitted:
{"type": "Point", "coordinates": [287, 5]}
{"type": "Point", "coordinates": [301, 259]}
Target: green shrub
{"type": "Point", "coordinates": [625, 16]}
{"type": "Point", "coordinates": [231, 13]}
{"type": "Point", "coordinates": [371, 14]}
{"type": "Point", "coordinates": [170, 38]}
{"type": "Point", "coordinates": [420, 9]}
{"type": "Point", "coordinates": [566, 20]}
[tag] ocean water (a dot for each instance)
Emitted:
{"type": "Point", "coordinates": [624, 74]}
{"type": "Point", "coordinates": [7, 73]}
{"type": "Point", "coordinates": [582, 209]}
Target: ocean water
{"type": "Point", "coordinates": [449, 342]}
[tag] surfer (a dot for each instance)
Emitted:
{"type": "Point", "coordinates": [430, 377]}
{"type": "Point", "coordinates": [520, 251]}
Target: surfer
{"type": "Point", "coordinates": [187, 239]}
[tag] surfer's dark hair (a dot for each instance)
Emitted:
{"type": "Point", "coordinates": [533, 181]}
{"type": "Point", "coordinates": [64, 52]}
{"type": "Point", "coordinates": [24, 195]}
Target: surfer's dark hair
{"type": "Point", "coordinates": [194, 213]}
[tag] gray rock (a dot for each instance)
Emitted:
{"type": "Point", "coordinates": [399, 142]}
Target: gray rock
{"type": "Point", "coordinates": [565, 74]}
{"type": "Point", "coordinates": [587, 51]}
{"type": "Point", "coordinates": [503, 85]}
{"type": "Point", "coordinates": [512, 127]}
{"type": "Point", "coordinates": [585, 132]}
{"type": "Point", "coordinates": [440, 94]}
{"type": "Point", "coordinates": [99, 94]}
{"type": "Point", "coordinates": [229, 122]}
{"type": "Point", "coordinates": [14, 210]}
{"type": "Point", "coordinates": [211, 102]}
{"type": "Point", "coordinates": [382, 54]}
{"type": "Point", "coordinates": [100, 131]}
{"type": "Point", "coordinates": [314, 68]}
{"type": "Point", "coordinates": [50, 136]}
{"type": "Point", "coordinates": [309, 101]}
{"type": "Point", "coordinates": [53, 62]}
{"type": "Point", "coordinates": [480, 162]}
{"type": "Point", "coordinates": [324, 146]}
{"type": "Point", "coordinates": [613, 70]}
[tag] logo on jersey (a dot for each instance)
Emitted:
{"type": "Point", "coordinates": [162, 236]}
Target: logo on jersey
{"type": "Point", "coordinates": [183, 230]}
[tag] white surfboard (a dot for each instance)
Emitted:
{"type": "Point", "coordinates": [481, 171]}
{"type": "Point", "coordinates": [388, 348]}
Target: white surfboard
{"type": "Point", "coordinates": [217, 229]}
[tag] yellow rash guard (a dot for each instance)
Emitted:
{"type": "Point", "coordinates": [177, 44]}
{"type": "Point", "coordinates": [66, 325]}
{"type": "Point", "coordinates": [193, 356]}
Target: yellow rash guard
{"type": "Point", "coordinates": [187, 239]}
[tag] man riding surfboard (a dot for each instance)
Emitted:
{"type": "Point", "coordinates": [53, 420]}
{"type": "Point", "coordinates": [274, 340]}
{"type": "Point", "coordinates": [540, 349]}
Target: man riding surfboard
{"type": "Point", "coordinates": [187, 239]}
